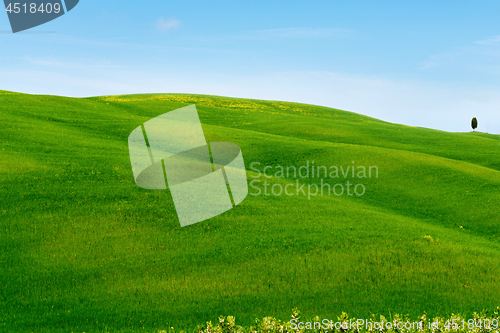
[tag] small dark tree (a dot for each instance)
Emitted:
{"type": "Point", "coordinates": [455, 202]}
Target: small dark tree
{"type": "Point", "coordinates": [474, 124]}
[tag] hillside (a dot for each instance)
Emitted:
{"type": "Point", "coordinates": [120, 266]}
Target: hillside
{"type": "Point", "coordinates": [84, 249]}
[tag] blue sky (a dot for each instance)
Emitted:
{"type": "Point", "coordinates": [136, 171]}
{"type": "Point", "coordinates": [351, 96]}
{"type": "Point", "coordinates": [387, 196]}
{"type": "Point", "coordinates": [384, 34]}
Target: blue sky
{"type": "Point", "coordinates": [422, 63]}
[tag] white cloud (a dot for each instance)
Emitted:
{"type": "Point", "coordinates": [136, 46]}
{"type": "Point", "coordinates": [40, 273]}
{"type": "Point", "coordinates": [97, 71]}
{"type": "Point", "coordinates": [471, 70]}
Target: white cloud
{"type": "Point", "coordinates": [491, 41]}
{"type": "Point", "coordinates": [282, 33]}
{"type": "Point", "coordinates": [165, 25]}
{"type": "Point", "coordinates": [479, 58]}
{"type": "Point", "coordinates": [72, 63]}
{"type": "Point", "coordinates": [295, 33]}
{"type": "Point", "coordinates": [436, 60]}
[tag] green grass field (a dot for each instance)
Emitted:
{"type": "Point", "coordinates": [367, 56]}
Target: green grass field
{"type": "Point", "coordinates": [83, 249]}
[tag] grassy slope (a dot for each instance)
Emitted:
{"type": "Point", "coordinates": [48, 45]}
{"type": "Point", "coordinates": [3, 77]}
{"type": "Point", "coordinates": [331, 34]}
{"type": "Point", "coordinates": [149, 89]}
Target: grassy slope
{"type": "Point", "coordinates": [84, 249]}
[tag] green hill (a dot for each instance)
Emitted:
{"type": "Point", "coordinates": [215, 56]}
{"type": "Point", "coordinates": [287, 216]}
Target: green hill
{"type": "Point", "coordinates": [83, 249]}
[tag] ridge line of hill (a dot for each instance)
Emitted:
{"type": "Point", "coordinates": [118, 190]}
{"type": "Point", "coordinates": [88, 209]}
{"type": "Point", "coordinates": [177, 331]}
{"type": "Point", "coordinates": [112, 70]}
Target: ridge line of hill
{"type": "Point", "coordinates": [359, 145]}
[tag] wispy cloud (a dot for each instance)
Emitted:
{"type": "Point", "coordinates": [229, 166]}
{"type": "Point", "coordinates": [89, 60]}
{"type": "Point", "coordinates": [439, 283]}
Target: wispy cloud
{"type": "Point", "coordinates": [491, 41]}
{"type": "Point", "coordinates": [436, 60]}
{"type": "Point", "coordinates": [278, 34]}
{"type": "Point", "coordinates": [73, 63]}
{"type": "Point", "coordinates": [296, 33]}
{"type": "Point", "coordinates": [480, 56]}
{"type": "Point", "coordinates": [165, 25]}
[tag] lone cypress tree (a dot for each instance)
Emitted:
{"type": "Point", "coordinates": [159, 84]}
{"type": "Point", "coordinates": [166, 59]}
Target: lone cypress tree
{"type": "Point", "coordinates": [474, 124]}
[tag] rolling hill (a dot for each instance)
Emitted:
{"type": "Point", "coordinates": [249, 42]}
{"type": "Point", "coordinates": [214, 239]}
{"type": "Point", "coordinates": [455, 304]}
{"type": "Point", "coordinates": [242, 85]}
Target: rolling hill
{"type": "Point", "coordinates": [84, 249]}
